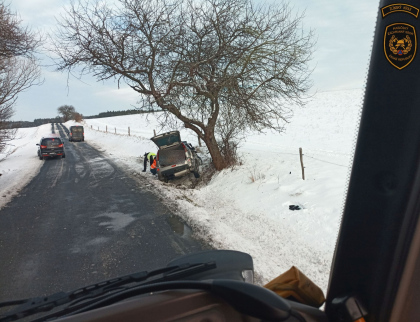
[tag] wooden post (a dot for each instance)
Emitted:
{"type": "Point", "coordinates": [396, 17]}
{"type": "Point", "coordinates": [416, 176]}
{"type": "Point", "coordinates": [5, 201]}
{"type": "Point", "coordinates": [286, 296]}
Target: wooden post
{"type": "Point", "coordinates": [106, 128]}
{"type": "Point", "coordinates": [128, 131]}
{"type": "Point", "coordinates": [154, 132]}
{"type": "Point", "coordinates": [115, 130]}
{"type": "Point", "coordinates": [301, 163]}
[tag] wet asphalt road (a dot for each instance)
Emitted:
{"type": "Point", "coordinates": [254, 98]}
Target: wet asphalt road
{"type": "Point", "coordinates": [80, 221]}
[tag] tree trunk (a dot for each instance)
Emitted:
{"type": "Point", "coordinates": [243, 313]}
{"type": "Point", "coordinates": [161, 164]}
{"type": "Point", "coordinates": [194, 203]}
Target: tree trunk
{"type": "Point", "coordinates": [218, 161]}
{"type": "Point", "coordinates": [210, 141]}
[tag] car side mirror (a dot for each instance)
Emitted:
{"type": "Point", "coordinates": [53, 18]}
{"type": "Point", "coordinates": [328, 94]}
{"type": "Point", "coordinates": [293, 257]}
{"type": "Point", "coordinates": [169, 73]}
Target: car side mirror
{"type": "Point", "coordinates": [37, 144]}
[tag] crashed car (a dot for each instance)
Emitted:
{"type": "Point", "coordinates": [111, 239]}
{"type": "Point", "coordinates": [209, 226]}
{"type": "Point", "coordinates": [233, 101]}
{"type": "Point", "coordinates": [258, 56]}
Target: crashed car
{"type": "Point", "coordinates": [175, 158]}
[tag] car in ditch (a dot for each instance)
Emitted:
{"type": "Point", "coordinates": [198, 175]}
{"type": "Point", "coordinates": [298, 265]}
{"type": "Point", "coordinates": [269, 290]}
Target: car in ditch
{"type": "Point", "coordinates": [51, 146]}
{"type": "Point", "coordinates": [175, 158]}
{"type": "Point", "coordinates": [77, 133]}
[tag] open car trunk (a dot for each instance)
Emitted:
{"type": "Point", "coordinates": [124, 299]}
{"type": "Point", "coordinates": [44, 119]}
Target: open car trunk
{"type": "Point", "coordinates": [172, 155]}
{"type": "Point", "coordinates": [166, 140]}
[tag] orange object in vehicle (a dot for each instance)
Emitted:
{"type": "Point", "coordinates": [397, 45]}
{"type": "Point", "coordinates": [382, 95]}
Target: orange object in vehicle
{"type": "Point", "coordinates": [293, 284]}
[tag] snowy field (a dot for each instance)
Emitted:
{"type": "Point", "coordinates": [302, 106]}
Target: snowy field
{"type": "Point", "coordinates": [247, 207]}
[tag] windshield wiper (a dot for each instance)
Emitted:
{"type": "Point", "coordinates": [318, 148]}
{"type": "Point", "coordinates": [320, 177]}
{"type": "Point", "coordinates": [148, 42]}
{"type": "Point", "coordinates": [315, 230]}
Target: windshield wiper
{"type": "Point", "coordinates": [92, 293]}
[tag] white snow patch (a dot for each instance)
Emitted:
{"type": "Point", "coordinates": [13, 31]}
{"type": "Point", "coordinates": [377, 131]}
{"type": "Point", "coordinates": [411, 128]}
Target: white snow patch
{"type": "Point", "coordinates": [118, 220]}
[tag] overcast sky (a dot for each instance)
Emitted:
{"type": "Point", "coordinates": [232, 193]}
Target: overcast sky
{"type": "Point", "coordinates": [344, 31]}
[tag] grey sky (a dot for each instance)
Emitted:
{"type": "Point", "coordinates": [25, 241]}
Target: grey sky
{"type": "Point", "coordinates": [344, 32]}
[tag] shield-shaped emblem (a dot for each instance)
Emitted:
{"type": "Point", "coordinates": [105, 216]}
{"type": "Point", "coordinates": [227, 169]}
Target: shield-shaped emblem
{"type": "Point", "coordinates": [400, 44]}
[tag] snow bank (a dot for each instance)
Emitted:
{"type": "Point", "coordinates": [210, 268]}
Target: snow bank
{"type": "Point", "coordinates": [19, 162]}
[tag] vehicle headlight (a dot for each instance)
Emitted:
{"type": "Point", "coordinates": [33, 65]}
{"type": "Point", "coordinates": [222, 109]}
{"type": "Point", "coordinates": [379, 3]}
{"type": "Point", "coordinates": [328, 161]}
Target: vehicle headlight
{"type": "Point", "coordinates": [248, 276]}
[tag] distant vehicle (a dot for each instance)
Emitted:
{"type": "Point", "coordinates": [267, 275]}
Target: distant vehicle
{"type": "Point", "coordinates": [77, 133]}
{"type": "Point", "coordinates": [175, 158]}
{"type": "Point", "coordinates": [51, 146]}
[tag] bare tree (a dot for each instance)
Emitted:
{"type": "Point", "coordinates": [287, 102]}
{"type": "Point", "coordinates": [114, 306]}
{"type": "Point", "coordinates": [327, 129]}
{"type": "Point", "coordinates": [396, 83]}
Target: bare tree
{"type": "Point", "coordinates": [217, 67]}
{"type": "Point", "coordinates": [18, 68]}
{"type": "Point", "coordinates": [78, 117]}
{"type": "Point", "coordinates": [67, 112]}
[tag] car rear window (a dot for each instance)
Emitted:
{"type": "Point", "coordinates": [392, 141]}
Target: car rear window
{"type": "Point", "coordinates": [77, 129]}
{"type": "Point", "coordinates": [167, 140]}
{"type": "Point", "coordinates": [51, 142]}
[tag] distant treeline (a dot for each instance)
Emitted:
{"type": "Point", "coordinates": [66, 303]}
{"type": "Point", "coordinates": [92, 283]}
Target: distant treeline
{"type": "Point", "coordinates": [118, 113]}
{"type": "Point", "coordinates": [38, 122]}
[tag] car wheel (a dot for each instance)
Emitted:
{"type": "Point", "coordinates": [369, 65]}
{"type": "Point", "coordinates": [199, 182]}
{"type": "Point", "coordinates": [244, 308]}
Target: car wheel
{"type": "Point", "coordinates": [40, 157]}
{"type": "Point", "coordinates": [63, 156]}
{"type": "Point", "coordinates": [195, 171]}
{"type": "Point", "coordinates": [160, 177]}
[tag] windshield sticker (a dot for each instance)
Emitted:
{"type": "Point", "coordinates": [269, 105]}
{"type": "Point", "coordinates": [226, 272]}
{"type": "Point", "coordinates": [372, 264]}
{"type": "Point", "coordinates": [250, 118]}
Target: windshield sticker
{"type": "Point", "coordinates": [400, 7]}
{"type": "Point", "coordinates": [400, 44]}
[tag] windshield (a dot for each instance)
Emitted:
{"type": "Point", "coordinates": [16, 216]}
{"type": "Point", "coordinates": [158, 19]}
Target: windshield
{"type": "Point", "coordinates": [51, 143]}
{"type": "Point", "coordinates": [271, 112]}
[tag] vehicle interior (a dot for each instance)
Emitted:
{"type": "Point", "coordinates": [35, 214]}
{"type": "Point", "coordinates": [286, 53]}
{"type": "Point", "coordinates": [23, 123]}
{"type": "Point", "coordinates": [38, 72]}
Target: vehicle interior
{"type": "Point", "coordinates": [376, 266]}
